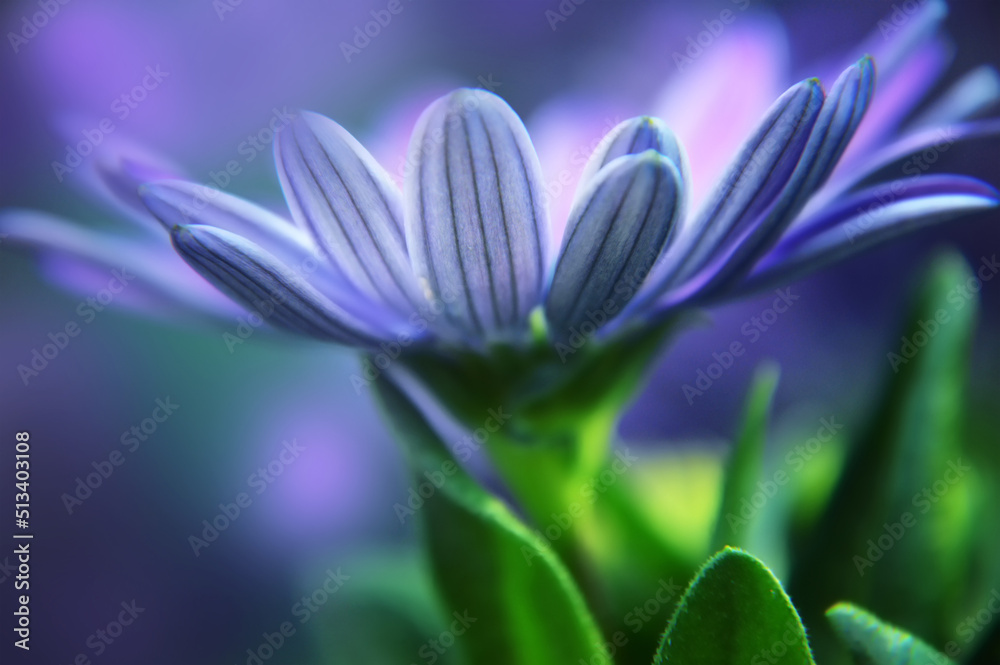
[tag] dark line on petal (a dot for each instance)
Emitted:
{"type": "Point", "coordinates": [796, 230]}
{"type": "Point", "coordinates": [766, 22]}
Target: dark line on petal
{"type": "Point", "coordinates": [777, 160]}
{"type": "Point", "coordinates": [657, 178]}
{"type": "Point", "coordinates": [397, 223]}
{"type": "Point", "coordinates": [245, 287]}
{"type": "Point", "coordinates": [564, 251]}
{"type": "Point", "coordinates": [540, 260]}
{"type": "Point", "coordinates": [512, 267]}
{"type": "Point", "coordinates": [473, 314]}
{"type": "Point", "coordinates": [848, 131]}
{"type": "Point", "coordinates": [738, 176]}
{"type": "Point", "coordinates": [582, 284]}
{"type": "Point", "coordinates": [635, 139]}
{"type": "Point", "coordinates": [347, 236]}
{"type": "Point", "coordinates": [482, 222]}
{"type": "Point", "coordinates": [396, 278]}
{"type": "Point", "coordinates": [434, 283]}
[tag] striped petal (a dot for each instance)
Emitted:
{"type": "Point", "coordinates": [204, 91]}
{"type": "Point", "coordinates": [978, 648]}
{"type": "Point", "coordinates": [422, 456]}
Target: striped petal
{"type": "Point", "coordinates": [633, 137]}
{"type": "Point", "coordinates": [838, 120]}
{"type": "Point", "coordinates": [337, 191]}
{"type": "Point", "coordinates": [937, 140]}
{"type": "Point", "coordinates": [181, 203]}
{"type": "Point", "coordinates": [258, 280]}
{"type": "Point", "coordinates": [865, 220]}
{"type": "Point", "coordinates": [752, 187]}
{"type": "Point", "coordinates": [835, 125]}
{"type": "Point", "coordinates": [616, 233]}
{"type": "Point", "coordinates": [759, 174]}
{"type": "Point", "coordinates": [476, 227]}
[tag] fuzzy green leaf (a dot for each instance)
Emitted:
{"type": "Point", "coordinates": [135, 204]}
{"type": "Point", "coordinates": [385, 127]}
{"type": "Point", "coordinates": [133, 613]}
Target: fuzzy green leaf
{"type": "Point", "coordinates": [735, 612]}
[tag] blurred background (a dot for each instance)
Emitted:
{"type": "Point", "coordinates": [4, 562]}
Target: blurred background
{"type": "Point", "coordinates": [226, 68]}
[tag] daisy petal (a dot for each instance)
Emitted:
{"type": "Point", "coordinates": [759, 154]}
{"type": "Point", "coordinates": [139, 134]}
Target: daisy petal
{"type": "Point", "coordinates": [476, 227]}
{"type": "Point", "coordinates": [632, 137]}
{"type": "Point", "coordinates": [838, 119]}
{"type": "Point", "coordinates": [975, 92]}
{"type": "Point", "coordinates": [124, 173]}
{"type": "Point", "coordinates": [761, 171]}
{"type": "Point", "coordinates": [260, 281]}
{"type": "Point", "coordinates": [181, 203]}
{"type": "Point", "coordinates": [337, 191]}
{"type": "Point", "coordinates": [616, 233]}
{"type": "Point", "coordinates": [897, 38]}
{"type": "Point", "coordinates": [937, 140]}
{"type": "Point", "coordinates": [752, 188]}
{"type": "Point", "coordinates": [865, 220]}
{"type": "Point", "coordinates": [899, 92]}
{"type": "Point", "coordinates": [82, 260]}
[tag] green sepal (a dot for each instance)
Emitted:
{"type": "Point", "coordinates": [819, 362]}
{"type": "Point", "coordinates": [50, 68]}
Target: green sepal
{"type": "Point", "coordinates": [525, 607]}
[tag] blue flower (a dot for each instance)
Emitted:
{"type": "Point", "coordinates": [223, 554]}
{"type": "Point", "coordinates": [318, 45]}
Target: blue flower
{"type": "Point", "coordinates": [461, 257]}
{"type": "Point", "coordinates": [465, 247]}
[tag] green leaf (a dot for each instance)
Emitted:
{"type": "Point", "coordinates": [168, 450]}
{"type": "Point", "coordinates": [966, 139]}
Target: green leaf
{"type": "Point", "coordinates": [735, 612]}
{"type": "Point", "coordinates": [511, 597]}
{"type": "Point", "coordinates": [881, 530]}
{"type": "Point", "coordinates": [743, 472]}
{"type": "Point", "coordinates": [873, 642]}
